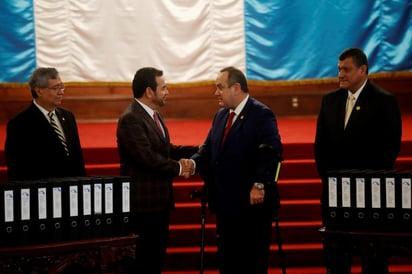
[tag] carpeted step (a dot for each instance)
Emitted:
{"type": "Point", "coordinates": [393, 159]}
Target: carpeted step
{"type": "Point", "coordinates": [290, 232]}
{"type": "Point", "coordinates": [291, 210]}
{"type": "Point", "coordinates": [185, 258]}
{"type": "Point", "coordinates": [289, 189]}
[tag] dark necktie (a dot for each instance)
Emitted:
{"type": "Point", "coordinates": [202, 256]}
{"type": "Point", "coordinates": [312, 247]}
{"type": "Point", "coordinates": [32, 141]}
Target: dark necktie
{"type": "Point", "coordinates": [228, 126]}
{"type": "Point", "coordinates": [58, 132]}
{"type": "Point", "coordinates": [159, 125]}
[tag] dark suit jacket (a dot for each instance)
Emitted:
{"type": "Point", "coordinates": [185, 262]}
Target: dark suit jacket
{"type": "Point", "coordinates": [249, 154]}
{"type": "Point", "coordinates": [149, 159]}
{"type": "Point", "coordinates": [33, 150]}
{"type": "Point", "coordinates": [372, 136]}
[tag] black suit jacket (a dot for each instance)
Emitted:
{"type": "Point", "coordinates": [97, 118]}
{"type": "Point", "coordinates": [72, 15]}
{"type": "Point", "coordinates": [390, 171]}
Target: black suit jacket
{"type": "Point", "coordinates": [33, 150]}
{"type": "Point", "coordinates": [250, 153]}
{"type": "Point", "coordinates": [372, 136]}
{"type": "Point", "coordinates": [149, 158]}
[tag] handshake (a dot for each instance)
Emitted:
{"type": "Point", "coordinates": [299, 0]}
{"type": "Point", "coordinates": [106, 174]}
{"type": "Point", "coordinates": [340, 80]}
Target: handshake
{"type": "Point", "coordinates": [187, 167]}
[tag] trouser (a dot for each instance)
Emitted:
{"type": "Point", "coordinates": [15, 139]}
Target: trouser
{"type": "Point", "coordinates": [243, 241]}
{"type": "Point", "coordinates": [153, 232]}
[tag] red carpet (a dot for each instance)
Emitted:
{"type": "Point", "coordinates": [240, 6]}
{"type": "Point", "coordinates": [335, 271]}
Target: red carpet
{"type": "Point", "coordinates": [292, 130]}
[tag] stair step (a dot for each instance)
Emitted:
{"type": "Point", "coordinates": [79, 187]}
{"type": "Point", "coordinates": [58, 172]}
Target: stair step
{"type": "Point", "coordinates": [183, 258]}
{"type": "Point", "coordinates": [291, 210]}
{"type": "Point", "coordinates": [290, 232]}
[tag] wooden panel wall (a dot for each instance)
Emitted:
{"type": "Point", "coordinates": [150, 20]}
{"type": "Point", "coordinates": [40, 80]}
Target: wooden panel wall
{"type": "Point", "coordinates": [106, 101]}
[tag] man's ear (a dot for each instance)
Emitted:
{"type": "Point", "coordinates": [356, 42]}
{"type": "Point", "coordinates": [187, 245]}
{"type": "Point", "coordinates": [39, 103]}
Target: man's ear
{"type": "Point", "coordinates": [149, 93]}
{"type": "Point", "coordinates": [38, 91]}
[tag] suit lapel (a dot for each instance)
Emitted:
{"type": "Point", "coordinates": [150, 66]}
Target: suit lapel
{"type": "Point", "coordinates": [138, 110]}
{"type": "Point", "coordinates": [359, 104]}
{"type": "Point", "coordinates": [238, 122]}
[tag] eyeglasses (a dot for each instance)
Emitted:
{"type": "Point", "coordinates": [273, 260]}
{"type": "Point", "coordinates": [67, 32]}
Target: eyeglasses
{"type": "Point", "coordinates": [57, 88]}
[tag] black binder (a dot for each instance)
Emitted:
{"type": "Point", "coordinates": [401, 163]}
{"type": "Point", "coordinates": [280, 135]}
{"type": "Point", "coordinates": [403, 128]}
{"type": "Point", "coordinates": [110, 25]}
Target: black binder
{"type": "Point", "coordinates": [98, 198]}
{"type": "Point", "coordinates": [55, 207]}
{"type": "Point", "coordinates": [108, 216]}
{"type": "Point", "coordinates": [42, 222]}
{"type": "Point", "coordinates": [404, 183]}
{"type": "Point", "coordinates": [8, 202]}
{"type": "Point", "coordinates": [331, 203]}
{"type": "Point", "coordinates": [87, 208]}
{"type": "Point", "coordinates": [122, 205]}
{"type": "Point", "coordinates": [71, 198]}
{"type": "Point", "coordinates": [25, 213]}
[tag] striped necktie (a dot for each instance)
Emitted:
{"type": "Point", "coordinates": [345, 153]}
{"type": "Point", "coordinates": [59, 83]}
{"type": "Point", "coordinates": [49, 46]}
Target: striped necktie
{"type": "Point", "coordinates": [58, 132]}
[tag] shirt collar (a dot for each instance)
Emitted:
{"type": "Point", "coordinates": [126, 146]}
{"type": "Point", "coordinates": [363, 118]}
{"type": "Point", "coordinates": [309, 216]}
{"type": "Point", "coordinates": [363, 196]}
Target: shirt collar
{"type": "Point", "coordinates": [357, 93]}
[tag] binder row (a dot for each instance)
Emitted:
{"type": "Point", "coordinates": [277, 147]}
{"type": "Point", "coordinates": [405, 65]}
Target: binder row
{"type": "Point", "coordinates": [64, 209]}
{"type": "Point", "coordinates": [368, 200]}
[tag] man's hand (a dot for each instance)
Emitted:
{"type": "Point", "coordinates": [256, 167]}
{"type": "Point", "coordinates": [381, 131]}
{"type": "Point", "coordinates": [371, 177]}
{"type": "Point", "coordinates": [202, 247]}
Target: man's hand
{"type": "Point", "coordinates": [257, 196]}
{"type": "Point", "coordinates": [188, 168]}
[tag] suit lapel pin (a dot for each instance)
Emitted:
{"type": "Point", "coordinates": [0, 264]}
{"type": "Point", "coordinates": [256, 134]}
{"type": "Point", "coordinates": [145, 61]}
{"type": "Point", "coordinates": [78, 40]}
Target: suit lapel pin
{"type": "Point", "coordinates": [242, 117]}
{"type": "Point", "coordinates": [357, 107]}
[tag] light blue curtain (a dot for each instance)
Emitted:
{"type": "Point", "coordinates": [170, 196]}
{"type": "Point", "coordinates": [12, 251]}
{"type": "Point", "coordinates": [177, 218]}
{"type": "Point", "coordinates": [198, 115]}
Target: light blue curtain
{"type": "Point", "coordinates": [283, 39]}
{"type": "Point", "coordinates": [296, 39]}
{"type": "Point", "coordinates": [17, 40]}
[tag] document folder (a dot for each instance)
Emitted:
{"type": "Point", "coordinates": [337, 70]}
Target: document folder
{"type": "Point", "coordinates": [56, 209]}
{"type": "Point", "coordinates": [122, 205]}
{"type": "Point", "coordinates": [25, 214]}
{"type": "Point", "coordinates": [87, 208]}
{"type": "Point", "coordinates": [42, 221]}
{"type": "Point", "coordinates": [98, 193]}
{"type": "Point", "coordinates": [9, 232]}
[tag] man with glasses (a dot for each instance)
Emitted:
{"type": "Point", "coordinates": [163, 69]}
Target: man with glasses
{"type": "Point", "coordinates": [42, 141]}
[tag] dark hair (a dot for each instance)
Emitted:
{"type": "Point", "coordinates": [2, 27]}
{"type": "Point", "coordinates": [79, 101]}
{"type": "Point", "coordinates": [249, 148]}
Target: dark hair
{"type": "Point", "coordinates": [358, 56]}
{"type": "Point", "coordinates": [144, 78]}
{"type": "Point", "coordinates": [236, 76]}
{"type": "Point", "coordinates": [40, 78]}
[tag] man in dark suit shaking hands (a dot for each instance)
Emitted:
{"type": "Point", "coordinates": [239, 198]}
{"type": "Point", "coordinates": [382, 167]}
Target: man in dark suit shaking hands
{"type": "Point", "coordinates": [42, 141]}
{"type": "Point", "coordinates": [238, 163]}
{"type": "Point", "coordinates": [148, 157]}
{"type": "Point", "coordinates": [359, 127]}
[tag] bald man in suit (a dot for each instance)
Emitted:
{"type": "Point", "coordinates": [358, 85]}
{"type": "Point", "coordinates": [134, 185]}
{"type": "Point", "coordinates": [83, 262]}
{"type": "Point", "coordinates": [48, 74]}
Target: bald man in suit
{"type": "Point", "coordinates": [33, 149]}
{"type": "Point", "coordinates": [369, 138]}
{"type": "Point", "coordinates": [238, 163]}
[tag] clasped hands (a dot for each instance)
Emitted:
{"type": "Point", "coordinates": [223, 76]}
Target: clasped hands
{"type": "Point", "coordinates": [188, 167]}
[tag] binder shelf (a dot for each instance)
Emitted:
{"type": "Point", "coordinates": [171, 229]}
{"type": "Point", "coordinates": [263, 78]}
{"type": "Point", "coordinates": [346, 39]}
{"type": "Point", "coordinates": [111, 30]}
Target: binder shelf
{"type": "Point", "coordinates": [64, 209]}
{"type": "Point", "coordinates": [374, 200]}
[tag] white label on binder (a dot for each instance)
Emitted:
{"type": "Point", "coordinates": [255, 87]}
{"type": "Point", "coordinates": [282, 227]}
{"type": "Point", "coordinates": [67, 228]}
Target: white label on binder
{"type": "Point", "coordinates": [360, 192]}
{"type": "Point", "coordinates": [333, 192]}
{"type": "Point", "coordinates": [8, 206]}
{"type": "Point", "coordinates": [390, 192]}
{"type": "Point", "coordinates": [87, 200]}
{"type": "Point", "coordinates": [42, 202]}
{"type": "Point", "coordinates": [25, 204]}
{"type": "Point", "coordinates": [345, 192]}
{"type": "Point", "coordinates": [125, 197]}
{"type": "Point", "coordinates": [108, 197]}
{"type": "Point", "coordinates": [98, 198]}
{"type": "Point", "coordinates": [406, 193]}
{"type": "Point", "coordinates": [376, 192]}
{"type": "Point", "coordinates": [57, 202]}
{"type": "Point", "coordinates": [74, 206]}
